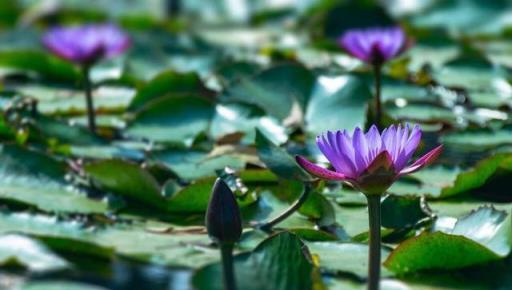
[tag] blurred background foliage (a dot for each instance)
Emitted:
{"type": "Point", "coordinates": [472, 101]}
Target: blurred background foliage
{"type": "Point", "coordinates": [234, 89]}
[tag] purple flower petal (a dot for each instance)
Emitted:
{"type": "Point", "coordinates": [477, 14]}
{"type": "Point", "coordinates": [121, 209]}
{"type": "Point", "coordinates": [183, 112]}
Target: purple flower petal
{"type": "Point", "coordinates": [410, 146]}
{"type": "Point", "coordinates": [318, 171]}
{"type": "Point", "coordinates": [87, 43]}
{"type": "Point", "coordinates": [425, 160]}
{"type": "Point", "coordinates": [374, 141]}
{"type": "Point", "coordinates": [360, 150]}
{"type": "Point", "coordinates": [370, 162]}
{"type": "Point", "coordinates": [334, 147]}
{"type": "Point", "coordinates": [354, 45]}
{"type": "Point", "coordinates": [374, 45]}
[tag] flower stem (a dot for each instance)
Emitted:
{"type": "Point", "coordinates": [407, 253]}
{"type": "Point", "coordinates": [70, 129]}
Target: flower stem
{"type": "Point", "coordinates": [294, 207]}
{"type": "Point", "coordinates": [226, 250]}
{"type": "Point", "coordinates": [88, 99]}
{"type": "Point", "coordinates": [374, 241]}
{"type": "Point", "coordinates": [377, 72]}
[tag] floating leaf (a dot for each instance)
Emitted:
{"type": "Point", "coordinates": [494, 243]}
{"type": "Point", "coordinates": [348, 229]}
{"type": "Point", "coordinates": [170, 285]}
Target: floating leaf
{"type": "Point", "coordinates": [275, 90]}
{"type": "Point", "coordinates": [126, 179]}
{"type": "Point", "coordinates": [479, 139]}
{"type": "Point", "coordinates": [32, 254]}
{"type": "Point", "coordinates": [278, 160]}
{"type": "Point", "coordinates": [59, 285]}
{"type": "Point", "coordinates": [45, 65]}
{"type": "Point", "coordinates": [337, 102]}
{"type": "Point", "coordinates": [282, 260]}
{"type": "Point", "coordinates": [193, 198]}
{"type": "Point", "coordinates": [144, 242]}
{"type": "Point", "coordinates": [192, 164]}
{"type": "Point", "coordinates": [336, 258]}
{"type": "Point", "coordinates": [166, 83]}
{"type": "Point", "coordinates": [56, 99]}
{"type": "Point", "coordinates": [239, 118]}
{"type": "Point", "coordinates": [172, 120]}
{"type": "Point", "coordinates": [472, 16]}
{"type": "Point", "coordinates": [440, 182]}
{"type": "Point", "coordinates": [480, 237]}
{"type": "Point", "coordinates": [36, 179]}
{"type": "Point", "coordinates": [402, 212]}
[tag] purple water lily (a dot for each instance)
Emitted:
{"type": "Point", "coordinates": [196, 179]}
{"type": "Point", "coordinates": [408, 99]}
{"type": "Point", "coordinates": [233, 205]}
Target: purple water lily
{"type": "Point", "coordinates": [370, 162]}
{"type": "Point", "coordinates": [86, 44]}
{"type": "Point", "coordinates": [374, 45]}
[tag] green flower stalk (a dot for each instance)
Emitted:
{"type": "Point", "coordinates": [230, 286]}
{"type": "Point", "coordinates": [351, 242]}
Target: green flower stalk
{"type": "Point", "coordinates": [370, 163]}
{"type": "Point", "coordinates": [267, 227]}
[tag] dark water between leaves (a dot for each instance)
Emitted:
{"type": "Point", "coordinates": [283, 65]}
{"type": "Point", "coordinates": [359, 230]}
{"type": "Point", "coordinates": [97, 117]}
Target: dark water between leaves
{"type": "Point", "coordinates": [123, 274]}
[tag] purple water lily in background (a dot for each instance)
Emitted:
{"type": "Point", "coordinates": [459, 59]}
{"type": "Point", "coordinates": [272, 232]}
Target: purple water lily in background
{"type": "Point", "coordinates": [85, 45]}
{"type": "Point", "coordinates": [370, 162]}
{"type": "Point", "coordinates": [88, 43]}
{"type": "Point", "coordinates": [374, 45]}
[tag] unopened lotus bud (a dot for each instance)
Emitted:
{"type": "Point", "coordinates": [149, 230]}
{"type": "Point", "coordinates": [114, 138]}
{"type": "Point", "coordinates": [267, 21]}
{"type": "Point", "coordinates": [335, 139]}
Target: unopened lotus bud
{"type": "Point", "coordinates": [223, 220]}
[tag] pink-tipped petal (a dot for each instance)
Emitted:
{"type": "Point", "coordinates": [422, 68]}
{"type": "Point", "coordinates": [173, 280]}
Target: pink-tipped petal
{"type": "Point", "coordinates": [425, 160]}
{"type": "Point", "coordinates": [318, 171]}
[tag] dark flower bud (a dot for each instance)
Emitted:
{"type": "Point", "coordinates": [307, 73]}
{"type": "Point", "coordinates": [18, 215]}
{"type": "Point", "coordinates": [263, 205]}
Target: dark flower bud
{"type": "Point", "coordinates": [223, 220]}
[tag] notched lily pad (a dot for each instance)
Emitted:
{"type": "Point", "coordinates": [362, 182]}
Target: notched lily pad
{"type": "Point", "coordinates": [482, 236]}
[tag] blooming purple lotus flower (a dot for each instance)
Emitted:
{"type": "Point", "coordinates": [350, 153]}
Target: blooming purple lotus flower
{"type": "Point", "coordinates": [370, 162]}
{"type": "Point", "coordinates": [86, 44]}
{"type": "Point", "coordinates": [374, 45]}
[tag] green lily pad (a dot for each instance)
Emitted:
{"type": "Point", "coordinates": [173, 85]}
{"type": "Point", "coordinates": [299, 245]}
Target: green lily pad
{"type": "Point", "coordinates": [276, 90]}
{"type": "Point", "coordinates": [278, 160]}
{"type": "Point", "coordinates": [479, 139]}
{"type": "Point", "coordinates": [469, 17]}
{"type": "Point", "coordinates": [238, 118]}
{"type": "Point", "coordinates": [158, 243]}
{"type": "Point", "coordinates": [402, 212]}
{"type": "Point", "coordinates": [59, 285]}
{"type": "Point", "coordinates": [441, 182]}
{"type": "Point", "coordinates": [337, 102]}
{"type": "Point", "coordinates": [175, 120]}
{"type": "Point", "coordinates": [193, 198]}
{"type": "Point", "coordinates": [35, 179]}
{"type": "Point", "coordinates": [55, 99]}
{"type": "Point", "coordinates": [283, 262]}
{"type": "Point", "coordinates": [126, 179]}
{"type": "Point", "coordinates": [336, 258]}
{"type": "Point", "coordinates": [194, 164]}
{"type": "Point", "coordinates": [43, 64]}
{"type": "Point", "coordinates": [30, 253]}
{"type": "Point", "coordinates": [480, 237]}
{"type": "Point", "coordinates": [166, 83]}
